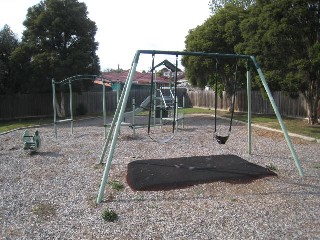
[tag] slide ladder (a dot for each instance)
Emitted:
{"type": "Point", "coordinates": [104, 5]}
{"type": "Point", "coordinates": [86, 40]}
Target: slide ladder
{"type": "Point", "coordinates": [167, 97]}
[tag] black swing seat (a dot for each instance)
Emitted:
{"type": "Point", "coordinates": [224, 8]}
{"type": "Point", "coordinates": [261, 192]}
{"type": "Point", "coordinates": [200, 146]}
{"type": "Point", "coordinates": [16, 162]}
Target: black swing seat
{"type": "Point", "coordinates": [221, 139]}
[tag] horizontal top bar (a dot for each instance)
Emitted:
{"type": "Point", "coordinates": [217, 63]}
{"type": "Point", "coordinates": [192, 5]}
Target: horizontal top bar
{"type": "Point", "coordinates": [79, 77]}
{"type": "Point", "coordinates": [205, 54]}
{"type": "Point", "coordinates": [185, 53]}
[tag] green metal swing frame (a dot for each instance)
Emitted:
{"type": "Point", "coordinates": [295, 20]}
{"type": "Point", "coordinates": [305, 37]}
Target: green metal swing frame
{"type": "Point", "coordinates": [68, 81]}
{"type": "Point", "coordinates": [118, 116]}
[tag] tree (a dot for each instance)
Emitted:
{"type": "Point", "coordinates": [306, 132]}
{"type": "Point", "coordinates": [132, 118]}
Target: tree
{"type": "Point", "coordinates": [8, 43]}
{"type": "Point", "coordinates": [215, 5]}
{"type": "Point", "coordinates": [59, 42]}
{"type": "Point", "coordinates": [285, 35]}
{"type": "Point", "coordinates": [220, 34]}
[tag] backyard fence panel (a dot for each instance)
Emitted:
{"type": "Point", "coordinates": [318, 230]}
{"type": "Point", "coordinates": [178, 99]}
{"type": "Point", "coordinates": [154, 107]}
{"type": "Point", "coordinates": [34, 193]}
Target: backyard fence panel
{"type": "Point", "coordinates": [260, 104]}
{"type": "Point", "coordinates": [35, 105]}
{"type": "Point", "coordinates": [25, 105]}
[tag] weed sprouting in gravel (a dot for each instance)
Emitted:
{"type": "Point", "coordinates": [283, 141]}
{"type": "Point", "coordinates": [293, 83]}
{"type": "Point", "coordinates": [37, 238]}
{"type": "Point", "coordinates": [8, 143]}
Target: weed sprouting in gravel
{"type": "Point", "coordinates": [109, 215]}
{"type": "Point", "coordinates": [44, 210]}
{"type": "Point", "coordinates": [317, 166]}
{"type": "Point", "coordinates": [272, 167]}
{"type": "Point", "coordinates": [116, 185]}
{"type": "Point", "coordinates": [99, 166]}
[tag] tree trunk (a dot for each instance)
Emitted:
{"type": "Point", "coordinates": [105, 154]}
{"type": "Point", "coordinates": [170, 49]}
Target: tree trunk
{"type": "Point", "coordinates": [313, 108]}
{"type": "Point", "coordinates": [61, 108]}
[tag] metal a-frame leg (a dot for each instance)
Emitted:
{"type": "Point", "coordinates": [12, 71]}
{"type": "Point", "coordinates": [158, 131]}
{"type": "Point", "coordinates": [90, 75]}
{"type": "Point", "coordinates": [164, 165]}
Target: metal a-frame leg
{"type": "Point", "coordinates": [114, 130]}
{"type": "Point", "coordinates": [275, 108]}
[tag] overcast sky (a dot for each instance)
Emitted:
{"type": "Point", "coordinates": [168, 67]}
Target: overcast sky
{"type": "Point", "coordinates": [126, 26]}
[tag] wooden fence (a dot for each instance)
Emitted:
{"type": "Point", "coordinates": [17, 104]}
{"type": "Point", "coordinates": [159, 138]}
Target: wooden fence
{"type": "Point", "coordinates": [260, 104]}
{"type": "Point", "coordinates": [40, 105]}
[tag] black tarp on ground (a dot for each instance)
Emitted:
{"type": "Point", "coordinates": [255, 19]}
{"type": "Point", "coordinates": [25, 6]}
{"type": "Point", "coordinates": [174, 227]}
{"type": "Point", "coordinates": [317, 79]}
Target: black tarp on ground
{"type": "Point", "coordinates": [166, 174]}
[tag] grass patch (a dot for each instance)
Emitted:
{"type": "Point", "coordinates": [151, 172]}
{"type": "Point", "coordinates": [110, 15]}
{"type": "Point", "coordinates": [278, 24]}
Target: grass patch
{"type": "Point", "coordinates": [116, 185]}
{"type": "Point", "coordinates": [44, 210]}
{"type": "Point", "coordinates": [99, 166]}
{"type": "Point", "coordinates": [11, 125]}
{"type": "Point", "coordinates": [317, 166]}
{"type": "Point", "coordinates": [198, 111]}
{"type": "Point", "coordinates": [20, 123]}
{"type": "Point", "coordinates": [109, 215]}
{"type": "Point", "coordinates": [293, 125]}
{"type": "Point", "coordinates": [233, 199]}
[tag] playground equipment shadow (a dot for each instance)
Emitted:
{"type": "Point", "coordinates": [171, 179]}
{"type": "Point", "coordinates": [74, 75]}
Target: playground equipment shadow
{"type": "Point", "coordinates": [174, 173]}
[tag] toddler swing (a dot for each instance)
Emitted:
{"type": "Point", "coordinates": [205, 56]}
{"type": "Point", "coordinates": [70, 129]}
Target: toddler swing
{"type": "Point", "coordinates": [222, 139]}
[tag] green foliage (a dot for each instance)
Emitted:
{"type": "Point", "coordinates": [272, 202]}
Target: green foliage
{"type": "Point", "coordinates": [116, 185]}
{"type": "Point", "coordinates": [8, 43]}
{"type": "Point", "coordinates": [220, 33]}
{"type": "Point", "coordinates": [109, 215]}
{"type": "Point", "coordinates": [284, 35]}
{"type": "Point", "coordinates": [272, 167]}
{"type": "Point", "coordinates": [58, 43]}
{"type": "Point", "coordinates": [216, 5]}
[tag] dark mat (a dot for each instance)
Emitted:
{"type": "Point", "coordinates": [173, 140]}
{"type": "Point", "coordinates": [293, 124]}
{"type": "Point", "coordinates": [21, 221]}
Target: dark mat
{"type": "Point", "coordinates": [166, 174]}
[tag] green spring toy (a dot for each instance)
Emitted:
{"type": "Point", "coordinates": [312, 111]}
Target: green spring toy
{"type": "Point", "coordinates": [31, 142]}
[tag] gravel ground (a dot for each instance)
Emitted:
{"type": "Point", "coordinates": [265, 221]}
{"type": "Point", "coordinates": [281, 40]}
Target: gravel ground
{"type": "Point", "coordinates": [51, 195]}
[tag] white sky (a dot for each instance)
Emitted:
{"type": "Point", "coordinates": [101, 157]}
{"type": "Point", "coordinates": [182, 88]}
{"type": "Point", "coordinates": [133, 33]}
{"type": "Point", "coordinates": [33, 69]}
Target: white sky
{"type": "Point", "coordinates": [127, 26]}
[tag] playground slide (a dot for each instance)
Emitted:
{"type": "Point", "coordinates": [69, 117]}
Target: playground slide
{"type": "Point", "coordinates": [139, 109]}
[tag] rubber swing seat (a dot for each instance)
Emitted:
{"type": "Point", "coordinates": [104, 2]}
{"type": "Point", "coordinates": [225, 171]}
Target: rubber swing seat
{"type": "Point", "coordinates": [221, 139]}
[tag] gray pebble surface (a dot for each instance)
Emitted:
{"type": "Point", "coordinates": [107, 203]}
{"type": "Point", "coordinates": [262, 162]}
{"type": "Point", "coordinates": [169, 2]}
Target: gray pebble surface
{"type": "Point", "coordinates": [52, 194]}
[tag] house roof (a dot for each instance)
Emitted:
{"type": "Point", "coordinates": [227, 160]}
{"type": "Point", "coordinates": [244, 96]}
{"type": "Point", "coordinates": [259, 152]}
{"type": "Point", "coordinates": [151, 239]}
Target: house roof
{"type": "Point", "coordinates": [98, 81]}
{"type": "Point", "coordinates": [139, 78]}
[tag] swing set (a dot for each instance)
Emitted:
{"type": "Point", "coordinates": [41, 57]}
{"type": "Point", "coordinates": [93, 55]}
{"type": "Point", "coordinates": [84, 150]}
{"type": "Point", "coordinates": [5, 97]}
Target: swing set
{"type": "Point", "coordinates": [118, 116]}
{"type": "Point", "coordinates": [165, 103]}
{"type": "Point", "coordinates": [162, 107]}
{"type": "Point", "coordinates": [69, 81]}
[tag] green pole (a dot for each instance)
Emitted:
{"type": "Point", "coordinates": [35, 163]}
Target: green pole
{"type": "Point", "coordinates": [118, 91]}
{"type": "Point", "coordinates": [161, 111]}
{"type": "Point", "coordinates": [123, 103]}
{"type": "Point", "coordinates": [111, 128]}
{"type": "Point", "coordinates": [54, 107]}
{"type": "Point", "coordinates": [177, 117]}
{"type": "Point", "coordinates": [183, 109]}
{"type": "Point", "coordinates": [70, 101]}
{"type": "Point", "coordinates": [155, 101]}
{"type": "Point", "coordinates": [104, 108]}
{"type": "Point", "coordinates": [283, 127]}
{"type": "Point", "coordinates": [133, 116]}
{"type": "Point", "coordinates": [249, 109]}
